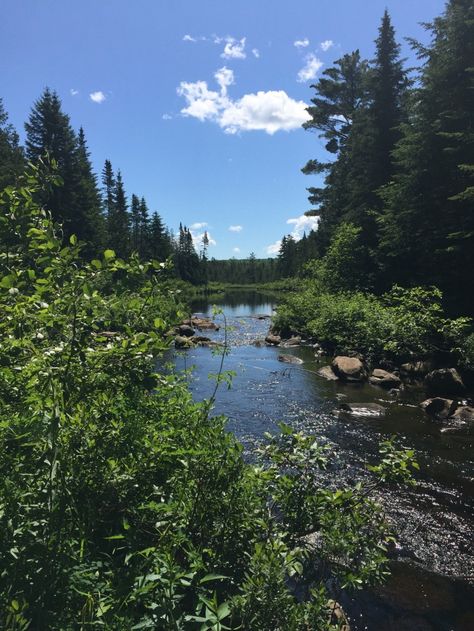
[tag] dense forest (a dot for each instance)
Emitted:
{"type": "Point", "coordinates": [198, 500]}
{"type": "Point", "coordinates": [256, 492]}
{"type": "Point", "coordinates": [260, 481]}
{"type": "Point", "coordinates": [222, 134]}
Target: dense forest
{"type": "Point", "coordinates": [124, 503]}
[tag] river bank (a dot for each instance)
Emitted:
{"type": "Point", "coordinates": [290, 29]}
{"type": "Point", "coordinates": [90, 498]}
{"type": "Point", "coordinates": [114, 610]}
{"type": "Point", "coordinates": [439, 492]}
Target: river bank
{"type": "Point", "coordinates": [434, 520]}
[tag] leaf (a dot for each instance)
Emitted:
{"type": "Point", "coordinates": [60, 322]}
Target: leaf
{"type": "Point", "coordinates": [109, 254]}
{"type": "Point", "coordinates": [73, 239]}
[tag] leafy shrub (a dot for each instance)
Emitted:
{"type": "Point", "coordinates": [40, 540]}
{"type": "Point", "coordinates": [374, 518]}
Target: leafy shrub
{"type": "Point", "coordinates": [123, 505]}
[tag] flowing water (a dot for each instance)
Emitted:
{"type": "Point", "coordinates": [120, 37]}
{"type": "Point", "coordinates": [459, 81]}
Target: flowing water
{"type": "Point", "coordinates": [431, 585]}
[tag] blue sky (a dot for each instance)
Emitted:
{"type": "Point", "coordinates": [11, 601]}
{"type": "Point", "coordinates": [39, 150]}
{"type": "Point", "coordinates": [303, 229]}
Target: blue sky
{"type": "Point", "coordinates": [198, 102]}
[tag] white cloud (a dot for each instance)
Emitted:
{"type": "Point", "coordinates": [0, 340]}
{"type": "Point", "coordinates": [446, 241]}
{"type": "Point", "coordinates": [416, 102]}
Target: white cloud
{"type": "Point", "coordinates": [73, 92]}
{"type": "Point", "coordinates": [166, 117]}
{"type": "Point", "coordinates": [234, 48]}
{"type": "Point", "coordinates": [310, 69]}
{"type": "Point", "coordinates": [97, 97]}
{"type": "Point", "coordinates": [236, 250]}
{"type": "Point", "coordinates": [270, 111]}
{"type": "Point", "coordinates": [197, 236]}
{"type": "Point", "coordinates": [189, 38]}
{"type": "Point", "coordinates": [235, 228]}
{"type": "Point", "coordinates": [274, 248]}
{"type": "Point", "coordinates": [327, 44]}
{"type": "Point", "coordinates": [224, 77]}
{"type": "Point", "coordinates": [302, 224]}
{"type": "Point", "coordinates": [301, 43]}
{"type": "Point", "coordinates": [199, 225]}
{"type": "Point", "coordinates": [255, 52]}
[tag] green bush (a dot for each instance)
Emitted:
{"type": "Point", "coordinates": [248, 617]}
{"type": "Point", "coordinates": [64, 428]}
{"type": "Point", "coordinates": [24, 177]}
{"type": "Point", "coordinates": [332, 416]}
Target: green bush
{"type": "Point", "coordinates": [123, 505]}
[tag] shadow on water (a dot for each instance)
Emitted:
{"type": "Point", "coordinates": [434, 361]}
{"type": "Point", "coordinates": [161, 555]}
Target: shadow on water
{"type": "Point", "coordinates": [429, 588]}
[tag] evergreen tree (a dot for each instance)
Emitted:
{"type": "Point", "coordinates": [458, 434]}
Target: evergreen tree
{"type": "Point", "coordinates": [427, 227]}
{"type": "Point", "coordinates": [48, 131]}
{"type": "Point", "coordinates": [119, 223]}
{"type": "Point", "coordinates": [145, 251]}
{"type": "Point", "coordinates": [89, 200]}
{"type": "Point", "coordinates": [160, 241]}
{"type": "Point", "coordinates": [12, 159]}
{"type": "Point", "coordinates": [108, 192]}
{"type": "Point", "coordinates": [135, 221]}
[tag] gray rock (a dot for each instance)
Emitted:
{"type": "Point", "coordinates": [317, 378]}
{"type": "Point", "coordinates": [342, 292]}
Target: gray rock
{"type": "Point", "coordinates": [464, 413]}
{"type": "Point", "coordinates": [289, 359]}
{"type": "Point", "coordinates": [444, 381]}
{"type": "Point", "coordinates": [438, 407]}
{"type": "Point", "coordinates": [384, 379]}
{"type": "Point", "coordinates": [182, 342]}
{"type": "Point", "coordinates": [273, 340]}
{"type": "Point", "coordinates": [349, 368]}
{"type": "Point", "coordinates": [369, 410]}
{"type": "Point", "coordinates": [328, 373]}
{"type": "Point", "coordinates": [295, 340]}
{"type": "Point", "coordinates": [417, 369]}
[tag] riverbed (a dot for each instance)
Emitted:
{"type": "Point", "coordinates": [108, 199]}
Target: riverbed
{"type": "Point", "coordinates": [433, 569]}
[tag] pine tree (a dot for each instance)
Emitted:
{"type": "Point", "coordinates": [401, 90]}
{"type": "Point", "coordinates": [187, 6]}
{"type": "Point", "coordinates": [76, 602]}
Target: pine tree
{"type": "Point", "coordinates": [427, 227]}
{"type": "Point", "coordinates": [119, 222]}
{"type": "Point", "coordinates": [12, 159]}
{"type": "Point", "coordinates": [108, 195]}
{"type": "Point", "coordinates": [48, 132]}
{"type": "Point", "coordinates": [145, 248]}
{"type": "Point", "coordinates": [89, 201]}
{"type": "Point", "coordinates": [135, 224]}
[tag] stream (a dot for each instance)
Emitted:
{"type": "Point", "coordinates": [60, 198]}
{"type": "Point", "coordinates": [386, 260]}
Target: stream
{"type": "Point", "coordinates": [431, 587]}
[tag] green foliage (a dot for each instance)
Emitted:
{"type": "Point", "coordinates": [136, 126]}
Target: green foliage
{"type": "Point", "coordinates": [402, 324]}
{"type": "Point", "coordinates": [123, 505]}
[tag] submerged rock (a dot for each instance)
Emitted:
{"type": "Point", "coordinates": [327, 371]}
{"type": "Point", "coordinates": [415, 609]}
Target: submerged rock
{"type": "Point", "coordinates": [289, 359]}
{"type": "Point", "coordinates": [444, 381]}
{"type": "Point", "coordinates": [416, 370]}
{"type": "Point", "coordinates": [362, 409]}
{"type": "Point", "coordinates": [384, 379]}
{"type": "Point", "coordinates": [349, 368]}
{"type": "Point", "coordinates": [295, 340]}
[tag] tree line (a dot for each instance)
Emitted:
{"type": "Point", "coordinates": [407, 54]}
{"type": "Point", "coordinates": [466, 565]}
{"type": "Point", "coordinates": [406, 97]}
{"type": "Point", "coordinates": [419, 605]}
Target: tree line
{"type": "Point", "coordinates": [398, 182]}
{"type": "Point", "coordinates": [98, 212]}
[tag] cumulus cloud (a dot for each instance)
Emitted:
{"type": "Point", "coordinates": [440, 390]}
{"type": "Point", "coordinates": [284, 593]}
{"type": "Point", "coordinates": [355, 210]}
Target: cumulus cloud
{"type": "Point", "coordinates": [235, 228]}
{"type": "Point", "coordinates": [255, 52]}
{"type": "Point", "coordinates": [189, 38]}
{"type": "Point", "coordinates": [302, 224]}
{"type": "Point", "coordinates": [236, 250]}
{"type": "Point", "coordinates": [234, 48]}
{"type": "Point", "coordinates": [310, 69]}
{"type": "Point", "coordinates": [97, 97]}
{"type": "Point", "coordinates": [301, 43]}
{"type": "Point", "coordinates": [270, 111]}
{"type": "Point", "coordinates": [327, 44]}
{"type": "Point", "coordinates": [274, 248]}
{"type": "Point", "coordinates": [73, 92]}
{"type": "Point", "coordinates": [198, 236]}
{"type": "Point", "coordinates": [199, 225]}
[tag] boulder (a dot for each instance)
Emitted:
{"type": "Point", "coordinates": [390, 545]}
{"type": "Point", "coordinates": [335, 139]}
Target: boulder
{"type": "Point", "coordinates": [273, 340]}
{"type": "Point", "coordinates": [200, 339]}
{"type": "Point", "coordinates": [464, 413]}
{"type": "Point", "coordinates": [444, 381]}
{"type": "Point", "coordinates": [417, 369]}
{"type": "Point", "coordinates": [204, 324]}
{"type": "Point", "coordinates": [366, 410]}
{"type": "Point", "coordinates": [185, 330]}
{"type": "Point", "coordinates": [349, 368]}
{"type": "Point", "coordinates": [384, 379]}
{"type": "Point", "coordinates": [337, 616]}
{"type": "Point", "coordinates": [327, 373]}
{"type": "Point", "coordinates": [289, 359]}
{"type": "Point", "coordinates": [438, 407]}
{"type": "Point", "coordinates": [182, 342]}
{"type": "Point", "coordinates": [295, 340]}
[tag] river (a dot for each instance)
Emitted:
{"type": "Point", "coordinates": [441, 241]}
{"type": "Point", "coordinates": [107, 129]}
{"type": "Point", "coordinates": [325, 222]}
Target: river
{"type": "Point", "coordinates": [431, 587]}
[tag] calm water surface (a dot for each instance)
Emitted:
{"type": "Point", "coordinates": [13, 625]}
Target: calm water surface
{"type": "Point", "coordinates": [431, 587]}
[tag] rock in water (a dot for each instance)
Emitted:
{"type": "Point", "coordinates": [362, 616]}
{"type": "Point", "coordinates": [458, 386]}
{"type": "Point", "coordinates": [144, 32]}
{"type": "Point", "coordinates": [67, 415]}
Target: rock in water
{"type": "Point", "coordinates": [182, 342]}
{"type": "Point", "coordinates": [349, 368]}
{"type": "Point", "coordinates": [327, 373]}
{"type": "Point", "coordinates": [273, 340]}
{"type": "Point", "coordinates": [185, 330]}
{"type": "Point", "coordinates": [438, 407]}
{"type": "Point", "coordinates": [384, 379]}
{"type": "Point", "coordinates": [289, 359]}
{"type": "Point", "coordinates": [444, 381]}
